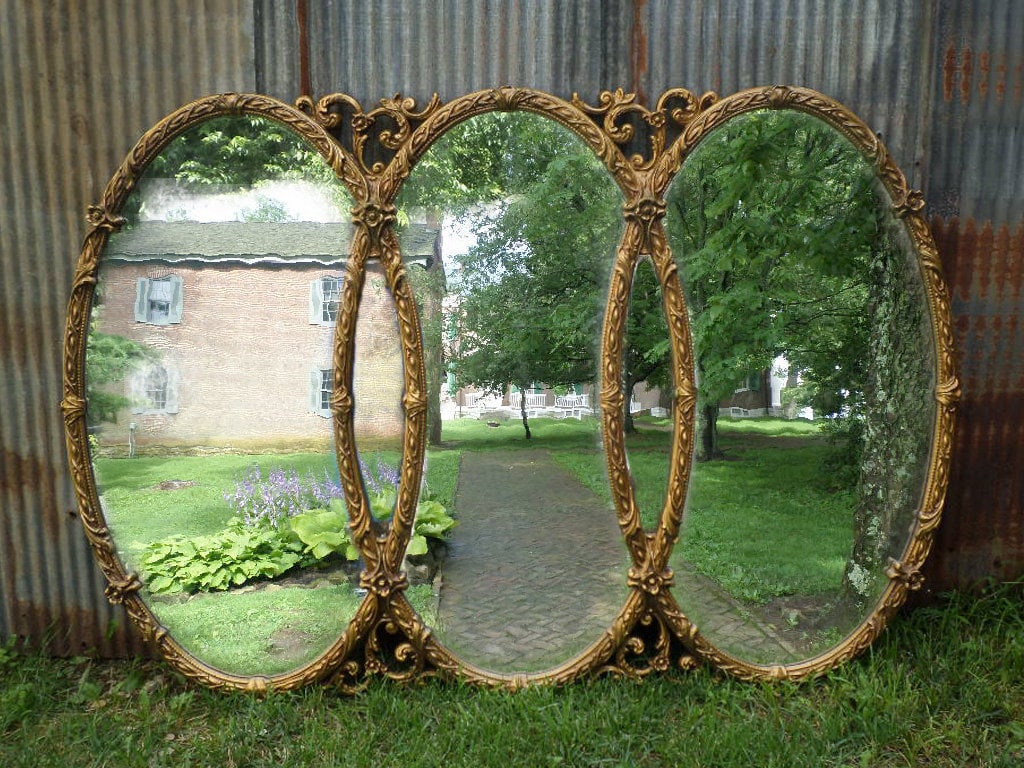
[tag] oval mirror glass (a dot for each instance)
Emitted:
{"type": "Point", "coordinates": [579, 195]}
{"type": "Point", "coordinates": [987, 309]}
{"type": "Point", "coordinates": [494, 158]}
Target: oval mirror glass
{"type": "Point", "coordinates": [209, 374]}
{"type": "Point", "coordinates": [815, 367]}
{"type": "Point", "coordinates": [518, 534]}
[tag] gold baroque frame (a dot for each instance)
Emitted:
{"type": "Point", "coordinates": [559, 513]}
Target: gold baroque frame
{"type": "Point", "coordinates": [386, 637]}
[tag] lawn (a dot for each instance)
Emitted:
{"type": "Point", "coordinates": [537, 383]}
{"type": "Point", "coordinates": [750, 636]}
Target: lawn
{"type": "Point", "coordinates": [763, 526]}
{"type": "Point", "coordinates": [148, 499]}
{"type": "Point", "coordinates": [943, 687]}
{"type": "Point", "coordinates": [762, 523]}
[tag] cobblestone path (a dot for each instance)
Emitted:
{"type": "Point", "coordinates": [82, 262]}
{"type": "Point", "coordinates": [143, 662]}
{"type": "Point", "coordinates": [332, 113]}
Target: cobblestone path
{"type": "Point", "coordinates": [537, 571]}
{"type": "Point", "coordinates": [537, 568]}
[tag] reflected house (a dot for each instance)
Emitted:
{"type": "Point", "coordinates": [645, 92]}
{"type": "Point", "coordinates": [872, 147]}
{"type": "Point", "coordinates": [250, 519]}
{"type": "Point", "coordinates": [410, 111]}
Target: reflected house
{"type": "Point", "coordinates": [242, 317]}
{"type": "Point", "coordinates": [760, 394]}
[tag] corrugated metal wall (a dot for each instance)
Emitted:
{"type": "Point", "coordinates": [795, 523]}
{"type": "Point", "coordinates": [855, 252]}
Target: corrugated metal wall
{"type": "Point", "coordinates": [975, 182]}
{"type": "Point", "coordinates": [80, 81]}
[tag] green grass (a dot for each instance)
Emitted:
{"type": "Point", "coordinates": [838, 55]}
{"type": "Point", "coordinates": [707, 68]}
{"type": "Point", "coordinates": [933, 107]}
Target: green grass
{"type": "Point", "coordinates": [943, 687]}
{"type": "Point", "coordinates": [264, 632]}
{"type": "Point", "coordinates": [763, 523]}
{"type": "Point", "coordinates": [295, 624]}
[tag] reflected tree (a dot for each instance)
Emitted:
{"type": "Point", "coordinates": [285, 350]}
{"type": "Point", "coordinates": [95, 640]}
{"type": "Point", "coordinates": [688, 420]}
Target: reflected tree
{"type": "Point", "coordinates": [787, 246]}
{"type": "Point", "coordinates": [774, 223]}
{"type": "Point", "coordinates": [109, 359]}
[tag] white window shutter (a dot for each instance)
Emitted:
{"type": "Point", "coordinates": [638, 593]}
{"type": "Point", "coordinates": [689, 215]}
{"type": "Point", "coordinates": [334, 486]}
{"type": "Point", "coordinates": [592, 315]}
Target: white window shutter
{"type": "Point", "coordinates": [141, 299]}
{"type": "Point", "coordinates": [316, 302]}
{"type": "Point", "coordinates": [314, 390]}
{"type": "Point", "coordinates": [177, 300]}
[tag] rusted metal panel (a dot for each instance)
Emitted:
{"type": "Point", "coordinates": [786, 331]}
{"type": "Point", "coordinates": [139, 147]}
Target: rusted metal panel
{"type": "Point", "coordinates": [453, 47]}
{"type": "Point", "coordinates": [80, 83]}
{"type": "Point", "coordinates": [941, 80]}
{"type": "Point", "coordinates": [975, 185]}
{"type": "Point", "coordinates": [982, 535]}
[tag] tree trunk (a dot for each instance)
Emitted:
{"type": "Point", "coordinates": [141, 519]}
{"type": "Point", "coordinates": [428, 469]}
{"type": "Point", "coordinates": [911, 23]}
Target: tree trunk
{"type": "Point", "coordinates": [628, 426]}
{"type": "Point", "coordinates": [433, 289]}
{"type": "Point", "coordinates": [707, 434]}
{"type": "Point", "coordinates": [522, 411]}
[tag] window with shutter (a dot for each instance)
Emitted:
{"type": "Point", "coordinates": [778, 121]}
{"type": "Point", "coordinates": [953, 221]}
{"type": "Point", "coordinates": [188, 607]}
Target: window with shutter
{"type": "Point", "coordinates": [159, 300]}
{"type": "Point", "coordinates": [154, 389]}
{"type": "Point", "coordinates": [321, 384]}
{"type": "Point", "coordinates": [324, 297]}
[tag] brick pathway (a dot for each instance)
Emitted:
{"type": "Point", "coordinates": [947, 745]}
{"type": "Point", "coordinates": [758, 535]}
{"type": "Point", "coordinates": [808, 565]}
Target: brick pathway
{"type": "Point", "coordinates": [537, 568]}
{"type": "Point", "coordinates": [725, 621]}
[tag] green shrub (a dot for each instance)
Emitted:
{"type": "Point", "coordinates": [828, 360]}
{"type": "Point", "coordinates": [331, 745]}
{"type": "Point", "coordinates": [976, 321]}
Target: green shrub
{"type": "Point", "coordinates": [325, 531]}
{"type": "Point", "coordinates": [222, 560]}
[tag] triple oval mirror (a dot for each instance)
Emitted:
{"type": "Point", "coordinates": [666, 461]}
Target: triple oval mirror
{"type": "Point", "coordinates": [512, 388]}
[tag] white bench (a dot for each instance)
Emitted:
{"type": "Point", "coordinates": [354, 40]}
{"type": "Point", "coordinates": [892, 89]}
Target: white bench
{"type": "Point", "coordinates": [574, 406]}
{"type": "Point", "coordinates": [477, 402]}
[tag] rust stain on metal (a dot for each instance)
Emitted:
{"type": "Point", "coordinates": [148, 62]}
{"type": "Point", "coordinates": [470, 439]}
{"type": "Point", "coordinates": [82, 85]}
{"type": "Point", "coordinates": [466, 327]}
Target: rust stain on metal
{"type": "Point", "coordinates": [638, 51]}
{"type": "Point", "coordinates": [302, 16]}
{"type": "Point", "coordinates": [982, 533]}
{"type": "Point", "coordinates": [949, 70]}
{"type": "Point", "coordinates": [1000, 87]}
{"type": "Point", "coordinates": [966, 72]}
{"type": "Point", "coordinates": [984, 68]}
{"type": "Point", "coordinates": [19, 474]}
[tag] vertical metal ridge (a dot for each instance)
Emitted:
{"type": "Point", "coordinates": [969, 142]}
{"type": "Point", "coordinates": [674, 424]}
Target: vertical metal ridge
{"type": "Point", "coordinates": [83, 79]}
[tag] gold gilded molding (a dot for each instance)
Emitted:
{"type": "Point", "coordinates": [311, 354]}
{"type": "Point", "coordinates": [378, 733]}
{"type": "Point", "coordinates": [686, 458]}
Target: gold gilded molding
{"type": "Point", "coordinates": [104, 218]}
{"type": "Point", "coordinates": [905, 574]}
{"type": "Point", "coordinates": [373, 152]}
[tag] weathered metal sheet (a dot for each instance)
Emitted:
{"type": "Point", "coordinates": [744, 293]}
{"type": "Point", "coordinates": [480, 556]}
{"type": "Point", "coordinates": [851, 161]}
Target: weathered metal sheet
{"type": "Point", "coordinates": [453, 47]}
{"type": "Point", "coordinates": [941, 80]}
{"type": "Point", "coordinates": [975, 183]}
{"type": "Point", "coordinates": [80, 82]}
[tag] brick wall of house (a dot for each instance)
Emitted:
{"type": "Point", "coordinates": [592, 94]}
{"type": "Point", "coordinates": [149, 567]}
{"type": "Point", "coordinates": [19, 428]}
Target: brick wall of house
{"type": "Point", "coordinates": [243, 354]}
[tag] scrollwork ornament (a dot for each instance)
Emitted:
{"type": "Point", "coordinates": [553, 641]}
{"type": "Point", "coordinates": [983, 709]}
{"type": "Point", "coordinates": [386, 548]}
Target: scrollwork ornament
{"type": "Point", "coordinates": [911, 201]}
{"type": "Point", "coordinates": [383, 583]}
{"type": "Point", "coordinates": [650, 581]}
{"type": "Point", "coordinates": [644, 650]}
{"type": "Point", "coordinates": [117, 590]}
{"type": "Point", "coordinates": [374, 217]}
{"type": "Point", "coordinates": [947, 393]}
{"type": "Point", "coordinates": [102, 218]}
{"type": "Point", "coordinates": [645, 212]}
{"type": "Point", "coordinates": [910, 578]}
{"type": "Point", "coordinates": [614, 107]}
{"type": "Point", "coordinates": [395, 653]}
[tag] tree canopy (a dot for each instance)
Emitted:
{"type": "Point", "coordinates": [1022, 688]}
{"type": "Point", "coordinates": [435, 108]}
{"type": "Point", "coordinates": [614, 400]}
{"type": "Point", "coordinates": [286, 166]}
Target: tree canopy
{"type": "Point", "coordinates": [774, 220]}
{"type": "Point", "coordinates": [528, 297]}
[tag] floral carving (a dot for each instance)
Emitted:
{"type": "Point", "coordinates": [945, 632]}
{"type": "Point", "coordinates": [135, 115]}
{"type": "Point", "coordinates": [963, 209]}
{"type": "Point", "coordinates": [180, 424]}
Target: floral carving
{"type": "Point", "coordinates": [651, 633]}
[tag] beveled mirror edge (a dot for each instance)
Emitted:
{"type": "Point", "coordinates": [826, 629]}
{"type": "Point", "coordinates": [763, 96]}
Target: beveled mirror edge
{"type": "Point", "coordinates": [104, 218]}
{"type": "Point", "coordinates": [903, 575]}
{"type": "Point", "coordinates": [651, 632]}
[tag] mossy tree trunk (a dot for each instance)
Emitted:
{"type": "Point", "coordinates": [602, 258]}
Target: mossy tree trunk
{"type": "Point", "coordinates": [898, 410]}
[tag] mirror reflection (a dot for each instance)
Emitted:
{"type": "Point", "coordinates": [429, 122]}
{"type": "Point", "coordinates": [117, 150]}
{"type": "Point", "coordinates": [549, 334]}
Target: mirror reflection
{"type": "Point", "coordinates": [209, 373]}
{"type": "Point", "coordinates": [814, 366]}
{"type": "Point", "coordinates": [533, 569]}
{"type": "Point", "coordinates": [646, 374]}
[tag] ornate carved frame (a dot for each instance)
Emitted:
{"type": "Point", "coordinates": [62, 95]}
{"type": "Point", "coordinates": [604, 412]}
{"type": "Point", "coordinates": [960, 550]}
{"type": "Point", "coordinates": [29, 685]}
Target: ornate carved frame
{"type": "Point", "coordinates": [386, 637]}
